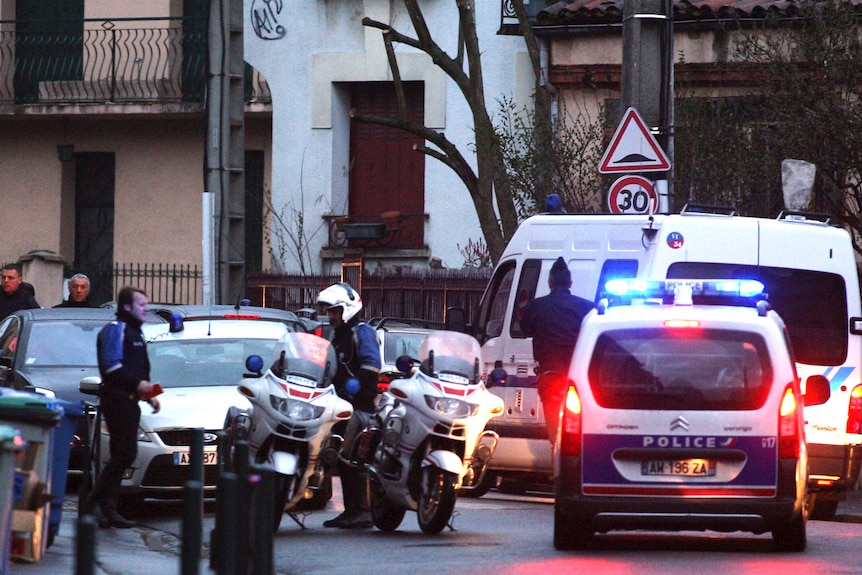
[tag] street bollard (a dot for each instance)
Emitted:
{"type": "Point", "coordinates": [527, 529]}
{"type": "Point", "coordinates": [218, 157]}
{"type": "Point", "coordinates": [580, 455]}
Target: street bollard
{"type": "Point", "coordinates": [241, 512]}
{"type": "Point", "coordinates": [196, 455]}
{"type": "Point", "coordinates": [263, 521]}
{"type": "Point", "coordinates": [193, 521]}
{"type": "Point", "coordinates": [223, 547]}
{"type": "Point", "coordinates": [85, 546]}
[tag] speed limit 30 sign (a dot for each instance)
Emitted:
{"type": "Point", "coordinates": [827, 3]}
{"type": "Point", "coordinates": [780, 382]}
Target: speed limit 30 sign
{"type": "Point", "coordinates": [632, 195]}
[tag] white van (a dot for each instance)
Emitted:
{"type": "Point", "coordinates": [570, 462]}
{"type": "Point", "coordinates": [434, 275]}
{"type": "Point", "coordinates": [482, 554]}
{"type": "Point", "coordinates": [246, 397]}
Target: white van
{"type": "Point", "coordinates": [807, 266]}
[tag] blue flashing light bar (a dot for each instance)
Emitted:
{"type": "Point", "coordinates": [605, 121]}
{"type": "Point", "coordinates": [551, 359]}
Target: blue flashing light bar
{"type": "Point", "coordinates": [629, 289]}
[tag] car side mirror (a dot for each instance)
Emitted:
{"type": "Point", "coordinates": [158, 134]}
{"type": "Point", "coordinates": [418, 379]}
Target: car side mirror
{"type": "Point", "coordinates": [91, 385]}
{"type": "Point", "coordinates": [456, 320]}
{"type": "Point", "coordinates": [817, 390]}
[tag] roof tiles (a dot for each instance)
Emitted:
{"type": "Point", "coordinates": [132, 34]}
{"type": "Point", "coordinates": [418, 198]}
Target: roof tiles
{"type": "Point", "coordinates": [608, 11]}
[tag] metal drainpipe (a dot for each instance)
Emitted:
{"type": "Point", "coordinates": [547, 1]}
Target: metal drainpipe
{"type": "Point", "coordinates": [544, 64]}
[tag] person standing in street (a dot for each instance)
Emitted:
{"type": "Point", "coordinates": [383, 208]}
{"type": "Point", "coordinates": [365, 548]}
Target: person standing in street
{"type": "Point", "coordinates": [13, 297]}
{"type": "Point", "coordinates": [554, 322]}
{"type": "Point", "coordinates": [79, 292]}
{"type": "Point", "coordinates": [125, 370]}
{"type": "Point", "coordinates": [359, 361]}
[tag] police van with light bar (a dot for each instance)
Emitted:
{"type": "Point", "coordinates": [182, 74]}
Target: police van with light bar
{"type": "Point", "coordinates": [683, 415]}
{"type": "Point", "coordinates": [807, 265]}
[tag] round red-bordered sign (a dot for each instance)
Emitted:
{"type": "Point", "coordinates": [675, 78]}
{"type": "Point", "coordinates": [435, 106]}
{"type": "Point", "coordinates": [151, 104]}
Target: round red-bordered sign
{"type": "Point", "coordinates": [632, 195]}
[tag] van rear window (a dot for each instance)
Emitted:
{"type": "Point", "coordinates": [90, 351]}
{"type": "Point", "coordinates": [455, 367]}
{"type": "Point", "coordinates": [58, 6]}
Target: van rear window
{"type": "Point", "coordinates": [670, 369]}
{"type": "Point", "coordinates": [812, 304]}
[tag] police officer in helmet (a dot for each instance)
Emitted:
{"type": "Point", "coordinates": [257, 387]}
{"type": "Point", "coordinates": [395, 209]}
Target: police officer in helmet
{"type": "Point", "coordinates": [355, 344]}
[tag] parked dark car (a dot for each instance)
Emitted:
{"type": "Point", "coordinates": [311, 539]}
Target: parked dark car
{"type": "Point", "coordinates": [50, 350]}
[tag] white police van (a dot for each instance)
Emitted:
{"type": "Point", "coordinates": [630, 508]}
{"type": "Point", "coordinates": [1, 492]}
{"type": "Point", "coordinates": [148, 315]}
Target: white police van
{"type": "Point", "coordinates": [683, 416]}
{"type": "Point", "coordinates": [807, 265]}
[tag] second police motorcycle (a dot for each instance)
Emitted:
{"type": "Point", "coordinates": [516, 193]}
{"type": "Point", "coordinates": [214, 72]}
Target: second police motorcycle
{"type": "Point", "coordinates": [289, 426]}
{"type": "Point", "coordinates": [427, 440]}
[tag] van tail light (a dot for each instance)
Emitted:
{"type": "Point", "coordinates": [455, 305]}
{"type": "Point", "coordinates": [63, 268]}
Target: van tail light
{"type": "Point", "coordinates": [854, 411]}
{"type": "Point", "coordinates": [570, 434]}
{"type": "Point", "coordinates": [788, 425]}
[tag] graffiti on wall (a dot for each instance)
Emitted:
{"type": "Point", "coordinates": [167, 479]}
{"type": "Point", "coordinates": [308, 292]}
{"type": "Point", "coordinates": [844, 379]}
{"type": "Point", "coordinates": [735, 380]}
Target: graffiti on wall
{"type": "Point", "coordinates": [264, 19]}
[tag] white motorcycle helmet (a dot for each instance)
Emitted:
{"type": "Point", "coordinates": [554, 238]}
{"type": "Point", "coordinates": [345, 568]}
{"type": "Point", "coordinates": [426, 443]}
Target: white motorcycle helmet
{"type": "Point", "coordinates": [343, 296]}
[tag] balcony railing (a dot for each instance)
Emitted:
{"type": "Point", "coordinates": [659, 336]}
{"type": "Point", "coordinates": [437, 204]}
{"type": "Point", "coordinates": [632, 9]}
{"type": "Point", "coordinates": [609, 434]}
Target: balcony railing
{"type": "Point", "coordinates": [109, 61]}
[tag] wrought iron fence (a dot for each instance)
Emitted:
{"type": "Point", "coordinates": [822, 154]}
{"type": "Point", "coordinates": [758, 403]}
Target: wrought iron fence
{"type": "Point", "coordinates": [425, 294]}
{"type": "Point", "coordinates": [113, 60]}
{"type": "Point", "coordinates": [164, 283]}
{"type": "Point", "coordinates": [415, 294]}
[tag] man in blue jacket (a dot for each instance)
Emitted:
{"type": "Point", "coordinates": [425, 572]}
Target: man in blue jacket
{"type": "Point", "coordinates": [125, 370]}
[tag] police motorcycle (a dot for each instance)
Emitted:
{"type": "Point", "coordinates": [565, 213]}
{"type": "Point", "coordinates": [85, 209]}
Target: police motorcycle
{"type": "Point", "coordinates": [427, 440]}
{"type": "Point", "coordinates": [294, 407]}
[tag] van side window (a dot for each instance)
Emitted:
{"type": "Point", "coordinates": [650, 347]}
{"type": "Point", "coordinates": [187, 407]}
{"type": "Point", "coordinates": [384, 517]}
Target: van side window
{"type": "Point", "coordinates": [615, 269]}
{"type": "Point", "coordinates": [812, 304]}
{"type": "Point", "coordinates": [493, 311]}
{"type": "Point", "coordinates": [526, 293]}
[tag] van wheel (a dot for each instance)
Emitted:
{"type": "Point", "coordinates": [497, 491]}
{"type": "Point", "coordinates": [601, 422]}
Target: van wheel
{"type": "Point", "coordinates": [791, 536]}
{"type": "Point", "coordinates": [570, 533]}
{"type": "Point", "coordinates": [821, 509]}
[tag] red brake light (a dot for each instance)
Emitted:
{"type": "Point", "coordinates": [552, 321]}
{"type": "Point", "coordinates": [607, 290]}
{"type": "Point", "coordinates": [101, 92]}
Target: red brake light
{"type": "Point", "coordinates": [241, 316]}
{"type": "Point", "coordinates": [570, 434]}
{"type": "Point", "coordinates": [854, 411]}
{"type": "Point", "coordinates": [788, 425]}
{"type": "Point", "coordinates": [682, 323]}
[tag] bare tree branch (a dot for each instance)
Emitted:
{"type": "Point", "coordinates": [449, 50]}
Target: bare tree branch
{"type": "Point", "coordinates": [488, 185]}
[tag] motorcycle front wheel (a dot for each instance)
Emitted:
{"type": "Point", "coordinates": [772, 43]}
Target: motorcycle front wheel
{"type": "Point", "coordinates": [283, 484]}
{"type": "Point", "coordinates": [386, 515]}
{"type": "Point", "coordinates": [436, 499]}
{"type": "Point", "coordinates": [319, 498]}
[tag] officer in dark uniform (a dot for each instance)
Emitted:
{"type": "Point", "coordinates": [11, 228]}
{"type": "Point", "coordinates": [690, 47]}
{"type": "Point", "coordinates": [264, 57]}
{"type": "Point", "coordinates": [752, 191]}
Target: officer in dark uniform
{"type": "Point", "coordinates": [358, 352]}
{"type": "Point", "coordinates": [554, 322]}
{"type": "Point", "coordinates": [125, 370]}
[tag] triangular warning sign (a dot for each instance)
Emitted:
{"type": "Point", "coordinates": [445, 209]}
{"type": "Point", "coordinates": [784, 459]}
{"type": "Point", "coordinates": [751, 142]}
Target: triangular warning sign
{"type": "Point", "coordinates": [633, 149]}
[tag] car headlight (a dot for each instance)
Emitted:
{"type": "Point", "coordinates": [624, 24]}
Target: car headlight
{"type": "Point", "coordinates": [295, 409]}
{"type": "Point", "coordinates": [454, 408]}
{"type": "Point", "coordinates": [144, 435]}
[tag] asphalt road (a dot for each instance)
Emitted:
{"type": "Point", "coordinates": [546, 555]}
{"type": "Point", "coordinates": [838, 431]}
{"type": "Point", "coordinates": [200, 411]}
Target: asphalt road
{"type": "Point", "coordinates": [155, 547]}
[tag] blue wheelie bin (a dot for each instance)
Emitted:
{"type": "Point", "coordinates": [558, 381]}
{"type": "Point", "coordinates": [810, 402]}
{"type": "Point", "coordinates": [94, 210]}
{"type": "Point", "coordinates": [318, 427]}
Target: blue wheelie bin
{"type": "Point", "coordinates": [64, 434]}
{"type": "Point", "coordinates": [35, 417]}
{"type": "Point", "coordinates": [10, 445]}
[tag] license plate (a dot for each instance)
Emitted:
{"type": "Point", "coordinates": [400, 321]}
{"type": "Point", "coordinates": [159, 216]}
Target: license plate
{"type": "Point", "coordinates": [679, 468]}
{"type": "Point", "coordinates": [183, 457]}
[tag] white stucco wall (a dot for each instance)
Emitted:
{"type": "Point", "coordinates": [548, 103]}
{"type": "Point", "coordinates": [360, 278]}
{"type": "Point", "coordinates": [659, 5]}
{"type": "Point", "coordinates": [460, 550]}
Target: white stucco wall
{"type": "Point", "coordinates": [324, 43]}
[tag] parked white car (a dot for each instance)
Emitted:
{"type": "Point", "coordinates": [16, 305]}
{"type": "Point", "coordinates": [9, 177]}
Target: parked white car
{"type": "Point", "coordinates": [199, 362]}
